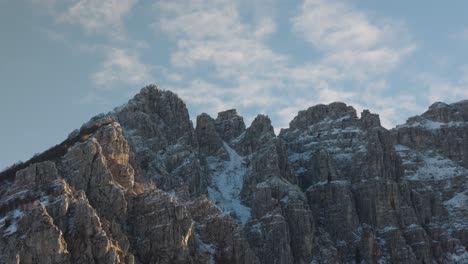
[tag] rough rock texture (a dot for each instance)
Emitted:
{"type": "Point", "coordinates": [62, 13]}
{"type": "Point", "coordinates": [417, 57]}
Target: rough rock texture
{"type": "Point", "coordinates": [157, 125]}
{"type": "Point", "coordinates": [142, 185]}
{"type": "Point", "coordinates": [433, 148]}
{"type": "Point", "coordinates": [229, 124]}
{"type": "Point", "coordinates": [350, 172]}
{"type": "Point", "coordinates": [442, 128]}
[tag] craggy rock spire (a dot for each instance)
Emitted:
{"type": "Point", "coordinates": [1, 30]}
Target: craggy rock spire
{"type": "Point", "coordinates": [155, 112]}
{"type": "Point", "coordinates": [208, 138]}
{"type": "Point", "coordinates": [433, 148]}
{"type": "Point", "coordinates": [229, 124]}
{"type": "Point", "coordinates": [158, 127]}
{"type": "Point", "coordinates": [350, 173]}
{"type": "Point", "coordinates": [320, 112]}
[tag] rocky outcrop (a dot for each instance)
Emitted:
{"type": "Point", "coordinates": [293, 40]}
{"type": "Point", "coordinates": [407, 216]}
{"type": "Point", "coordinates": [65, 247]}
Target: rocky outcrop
{"type": "Point", "coordinates": [442, 127]}
{"type": "Point", "coordinates": [209, 140]}
{"type": "Point", "coordinates": [350, 172]}
{"type": "Point", "coordinates": [229, 125]}
{"type": "Point", "coordinates": [255, 185]}
{"type": "Point", "coordinates": [433, 149]}
{"type": "Point", "coordinates": [49, 223]}
{"type": "Point", "coordinates": [281, 229]}
{"type": "Point", "coordinates": [159, 130]}
{"type": "Point", "coordinates": [142, 185]}
{"type": "Point", "coordinates": [90, 208]}
{"type": "Point", "coordinates": [220, 238]}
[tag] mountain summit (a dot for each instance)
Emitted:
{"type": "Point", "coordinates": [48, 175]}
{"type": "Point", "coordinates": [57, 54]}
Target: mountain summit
{"type": "Point", "coordinates": [141, 184]}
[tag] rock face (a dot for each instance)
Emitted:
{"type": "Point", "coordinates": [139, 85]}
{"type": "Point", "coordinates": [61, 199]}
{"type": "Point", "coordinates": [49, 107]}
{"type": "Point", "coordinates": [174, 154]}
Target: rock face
{"type": "Point", "coordinates": [350, 173]}
{"type": "Point", "coordinates": [157, 126]}
{"type": "Point", "coordinates": [442, 127]}
{"type": "Point", "coordinates": [142, 185]}
{"type": "Point", "coordinates": [229, 125]}
{"type": "Point", "coordinates": [433, 148]}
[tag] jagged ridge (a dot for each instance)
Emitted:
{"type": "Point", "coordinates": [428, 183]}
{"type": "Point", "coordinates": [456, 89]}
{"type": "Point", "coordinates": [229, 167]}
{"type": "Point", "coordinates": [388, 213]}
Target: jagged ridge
{"type": "Point", "coordinates": [142, 185]}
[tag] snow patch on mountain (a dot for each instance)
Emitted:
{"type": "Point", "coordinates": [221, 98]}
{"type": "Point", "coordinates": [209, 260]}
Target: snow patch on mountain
{"type": "Point", "coordinates": [458, 201]}
{"type": "Point", "coordinates": [428, 165]}
{"type": "Point", "coordinates": [227, 178]}
{"type": "Point", "coordinates": [10, 222]}
{"type": "Point", "coordinates": [206, 248]}
{"type": "Point", "coordinates": [461, 257]}
{"type": "Point", "coordinates": [433, 125]}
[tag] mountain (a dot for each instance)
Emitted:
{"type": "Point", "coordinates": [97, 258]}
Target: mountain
{"type": "Point", "coordinates": [141, 184]}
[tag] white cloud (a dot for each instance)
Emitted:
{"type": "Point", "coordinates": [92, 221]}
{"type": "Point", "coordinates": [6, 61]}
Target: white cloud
{"type": "Point", "coordinates": [265, 27]}
{"type": "Point", "coordinates": [98, 16]}
{"type": "Point", "coordinates": [222, 56]}
{"type": "Point", "coordinates": [201, 93]}
{"type": "Point", "coordinates": [392, 108]}
{"type": "Point", "coordinates": [335, 25]}
{"type": "Point", "coordinates": [93, 16]}
{"type": "Point", "coordinates": [350, 43]}
{"type": "Point", "coordinates": [213, 33]}
{"type": "Point", "coordinates": [441, 89]}
{"type": "Point", "coordinates": [122, 66]}
{"type": "Point", "coordinates": [200, 20]}
{"type": "Point", "coordinates": [103, 18]}
{"type": "Point", "coordinates": [247, 72]}
{"type": "Point", "coordinates": [357, 53]}
{"type": "Point", "coordinates": [240, 69]}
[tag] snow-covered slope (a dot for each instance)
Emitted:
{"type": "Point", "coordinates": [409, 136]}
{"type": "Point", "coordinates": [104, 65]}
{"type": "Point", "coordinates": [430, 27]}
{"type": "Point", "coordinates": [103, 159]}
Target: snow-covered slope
{"type": "Point", "coordinates": [227, 178]}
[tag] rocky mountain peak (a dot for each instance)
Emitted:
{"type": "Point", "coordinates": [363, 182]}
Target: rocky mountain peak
{"type": "Point", "coordinates": [259, 133]}
{"type": "Point", "coordinates": [158, 114]}
{"type": "Point", "coordinates": [205, 121]}
{"type": "Point", "coordinates": [163, 108]}
{"type": "Point", "coordinates": [153, 100]}
{"type": "Point", "coordinates": [442, 126]}
{"type": "Point", "coordinates": [437, 105]}
{"type": "Point", "coordinates": [261, 125]}
{"type": "Point", "coordinates": [226, 115]}
{"type": "Point", "coordinates": [229, 124]}
{"type": "Point", "coordinates": [320, 112]}
{"type": "Point", "coordinates": [369, 119]}
{"type": "Point", "coordinates": [442, 112]}
{"type": "Point", "coordinates": [209, 140]}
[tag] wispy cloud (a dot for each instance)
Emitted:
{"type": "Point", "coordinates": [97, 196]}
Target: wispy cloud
{"type": "Point", "coordinates": [350, 42]}
{"type": "Point", "coordinates": [102, 18]}
{"type": "Point", "coordinates": [213, 33]}
{"type": "Point", "coordinates": [221, 59]}
{"type": "Point", "coordinates": [122, 66]}
{"type": "Point", "coordinates": [99, 16]}
{"type": "Point", "coordinates": [335, 25]}
{"type": "Point", "coordinates": [247, 72]}
{"type": "Point", "coordinates": [443, 89]}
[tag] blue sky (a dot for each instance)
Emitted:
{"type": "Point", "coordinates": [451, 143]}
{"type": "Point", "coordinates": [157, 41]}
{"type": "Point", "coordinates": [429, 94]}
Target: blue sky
{"type": "Point", "coordinates": [63, 61]}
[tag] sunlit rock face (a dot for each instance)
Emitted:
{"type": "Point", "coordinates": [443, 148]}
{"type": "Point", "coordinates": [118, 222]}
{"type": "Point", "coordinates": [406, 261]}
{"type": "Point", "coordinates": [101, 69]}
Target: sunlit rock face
{"type": "Point", "coordinates": [142, 184]}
